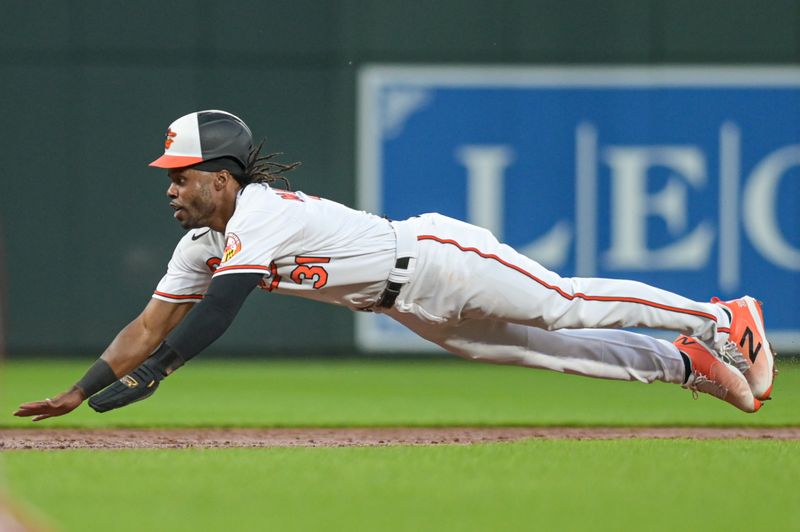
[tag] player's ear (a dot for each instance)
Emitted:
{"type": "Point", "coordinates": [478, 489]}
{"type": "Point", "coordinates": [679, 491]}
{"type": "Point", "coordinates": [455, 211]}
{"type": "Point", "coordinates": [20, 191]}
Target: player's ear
{"type": "Point", "coordinates": [221, 179]}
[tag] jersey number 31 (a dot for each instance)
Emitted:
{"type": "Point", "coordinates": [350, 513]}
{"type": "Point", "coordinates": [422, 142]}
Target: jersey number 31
{"type": "Point", "coordinates": [308, 269]}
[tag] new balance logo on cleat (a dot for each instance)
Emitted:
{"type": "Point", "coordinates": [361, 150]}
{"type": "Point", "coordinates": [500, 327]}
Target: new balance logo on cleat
{"type": "Point", "coordinates": [684, 340]}
{"type": "Point", "coordinates": [748, 337]}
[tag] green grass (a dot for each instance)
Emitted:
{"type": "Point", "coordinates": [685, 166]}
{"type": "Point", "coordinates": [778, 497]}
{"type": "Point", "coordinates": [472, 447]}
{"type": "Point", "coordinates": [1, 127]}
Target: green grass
{"type": "Point", "coordinates": [530, 485]}
{"type": "Point", "coordinates": [390, 393]}
{"type": "Point", "coordinates": [527, 485]}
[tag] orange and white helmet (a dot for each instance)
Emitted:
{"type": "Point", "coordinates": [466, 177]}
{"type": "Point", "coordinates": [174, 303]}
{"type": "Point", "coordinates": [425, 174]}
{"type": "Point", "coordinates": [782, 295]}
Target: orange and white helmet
{"type": "Point", "coordinates": [203, 136]}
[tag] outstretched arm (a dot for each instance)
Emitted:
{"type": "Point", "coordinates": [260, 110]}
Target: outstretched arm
{"type": "Point", "coordinates": [134, 343]}
{"type": "Point", "coordinates": [201, 327]}
{"type": "Point", "coordinates": [139, 338]}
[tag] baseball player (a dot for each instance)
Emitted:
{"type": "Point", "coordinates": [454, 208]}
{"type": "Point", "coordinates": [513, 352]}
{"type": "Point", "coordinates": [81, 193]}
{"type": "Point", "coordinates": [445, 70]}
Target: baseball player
{"type": "Point", "coordinates": [450, 282]}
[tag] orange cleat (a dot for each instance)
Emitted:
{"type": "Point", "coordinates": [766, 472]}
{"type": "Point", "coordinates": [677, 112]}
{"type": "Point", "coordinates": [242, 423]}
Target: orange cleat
{"type": "Point", "coordinates": [713, 376]}
{"type": "Point", "coordinates": [750, 352]}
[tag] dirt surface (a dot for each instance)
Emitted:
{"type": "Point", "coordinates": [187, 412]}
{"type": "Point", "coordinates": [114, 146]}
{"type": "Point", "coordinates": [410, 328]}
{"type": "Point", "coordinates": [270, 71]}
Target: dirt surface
{"type": "Point", "coordinates": [35, 439]}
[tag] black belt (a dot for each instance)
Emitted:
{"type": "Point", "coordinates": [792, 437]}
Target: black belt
{"type": "Point", "coordinates": [392, 289]}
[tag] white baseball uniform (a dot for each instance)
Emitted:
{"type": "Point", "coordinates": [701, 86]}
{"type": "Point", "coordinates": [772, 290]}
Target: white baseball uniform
{"type": "Point", "coordinates": [462, 289]}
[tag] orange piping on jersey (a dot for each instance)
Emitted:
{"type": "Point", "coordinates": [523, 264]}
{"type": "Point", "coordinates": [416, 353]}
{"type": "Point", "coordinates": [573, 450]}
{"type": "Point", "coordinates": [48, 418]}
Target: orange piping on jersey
{"type": "Point", "coordinates": [242, 267]}
{"type": "Point", "coordinates": [178, 296]}
{"type": "Point", "coordinates": [560, 291]}
{"type": "Point", "coordinates": [276, 279]}
{"type": "Point", "coordinates": [213, 263]}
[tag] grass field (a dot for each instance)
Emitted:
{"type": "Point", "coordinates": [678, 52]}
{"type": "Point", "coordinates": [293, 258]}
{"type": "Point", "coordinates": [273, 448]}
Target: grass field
{"type": "Point", "coordinates": [526, 485]}
{"type": "Point", "coordinates": [388, 393]}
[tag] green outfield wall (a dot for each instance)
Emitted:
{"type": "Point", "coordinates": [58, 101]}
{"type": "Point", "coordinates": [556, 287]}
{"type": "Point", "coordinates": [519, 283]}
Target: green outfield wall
{"type": "Point", "coordinates": [88, 88]}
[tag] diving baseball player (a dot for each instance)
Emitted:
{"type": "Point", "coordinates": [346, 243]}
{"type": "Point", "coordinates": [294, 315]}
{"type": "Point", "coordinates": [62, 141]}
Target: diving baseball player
{"type": "Point", "coordinates": [448, 281]}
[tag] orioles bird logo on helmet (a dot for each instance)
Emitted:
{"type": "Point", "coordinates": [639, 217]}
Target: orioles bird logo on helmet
{"type": "Point", "coordinates": [169, 138]}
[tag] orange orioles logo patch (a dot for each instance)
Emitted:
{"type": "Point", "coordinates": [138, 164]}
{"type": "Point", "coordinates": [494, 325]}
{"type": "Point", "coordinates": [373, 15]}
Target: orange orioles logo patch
{"type": "Point", "coordinates": [232, 246]}
{"type": "Point", "coordinates": [169, 138]}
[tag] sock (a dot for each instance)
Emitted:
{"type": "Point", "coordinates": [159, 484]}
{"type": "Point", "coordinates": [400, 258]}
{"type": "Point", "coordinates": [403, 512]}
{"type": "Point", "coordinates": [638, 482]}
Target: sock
{"type": "Point", "coordinates": [687, 366]}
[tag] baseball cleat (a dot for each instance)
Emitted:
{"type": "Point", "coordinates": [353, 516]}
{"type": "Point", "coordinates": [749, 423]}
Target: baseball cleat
{"type": "Point", "coordinates": [713, 376]}
{"type": "Point", "coordinates": [748, 348]}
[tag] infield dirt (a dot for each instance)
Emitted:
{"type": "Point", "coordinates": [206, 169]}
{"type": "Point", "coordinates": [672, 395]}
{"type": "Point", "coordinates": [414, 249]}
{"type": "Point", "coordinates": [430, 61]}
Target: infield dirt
{"type": "Point", "coordinates": [53, 439]}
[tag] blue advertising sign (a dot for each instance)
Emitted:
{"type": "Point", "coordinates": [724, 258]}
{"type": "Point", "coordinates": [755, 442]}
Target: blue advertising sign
{"type": "Point", "coordinates": [684, 178]}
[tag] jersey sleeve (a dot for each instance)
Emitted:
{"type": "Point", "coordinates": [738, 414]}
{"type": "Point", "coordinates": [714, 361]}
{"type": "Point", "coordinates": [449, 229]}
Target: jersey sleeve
{"type": "Point", "coordinates": [257, 234]}
{"type": "Point", "coordinates": [190, 268]}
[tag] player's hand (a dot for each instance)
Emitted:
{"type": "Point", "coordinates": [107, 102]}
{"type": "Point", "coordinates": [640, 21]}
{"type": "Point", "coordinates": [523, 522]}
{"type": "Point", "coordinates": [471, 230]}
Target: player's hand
{"type": "Point", "coordinates": [61, 404]}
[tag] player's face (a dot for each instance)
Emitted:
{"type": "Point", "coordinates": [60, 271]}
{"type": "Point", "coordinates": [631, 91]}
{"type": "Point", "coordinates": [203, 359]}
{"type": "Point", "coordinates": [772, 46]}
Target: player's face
{"type": "Point", "coordinates": [192, 196]}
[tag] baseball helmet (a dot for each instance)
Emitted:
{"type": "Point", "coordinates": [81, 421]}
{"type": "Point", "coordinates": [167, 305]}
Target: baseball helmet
{"type": "Point", "coordinates": [205, 135]}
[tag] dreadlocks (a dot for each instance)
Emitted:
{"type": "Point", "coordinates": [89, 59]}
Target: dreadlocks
{"type": "Point", "coordinates": [261, 169]}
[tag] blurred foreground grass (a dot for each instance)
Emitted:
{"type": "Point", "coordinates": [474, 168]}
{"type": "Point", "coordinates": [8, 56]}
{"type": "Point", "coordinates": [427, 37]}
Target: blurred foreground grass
{"type": "Point", "coordinates": [527, 485]}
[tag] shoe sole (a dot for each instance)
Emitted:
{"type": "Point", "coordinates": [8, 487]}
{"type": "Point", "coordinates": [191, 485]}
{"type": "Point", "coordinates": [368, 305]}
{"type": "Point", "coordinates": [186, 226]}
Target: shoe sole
{"type": "Point", "coordinates": [758, 318]}
{"type": "Point", "coordinates": [736, 395]}
{"type": "Point", "coordinates": [757, 404]}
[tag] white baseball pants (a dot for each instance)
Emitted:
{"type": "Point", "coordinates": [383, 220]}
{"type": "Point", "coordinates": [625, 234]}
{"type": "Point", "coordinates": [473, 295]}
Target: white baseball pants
{"type": "Point", "coordinates": [483, 300]}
